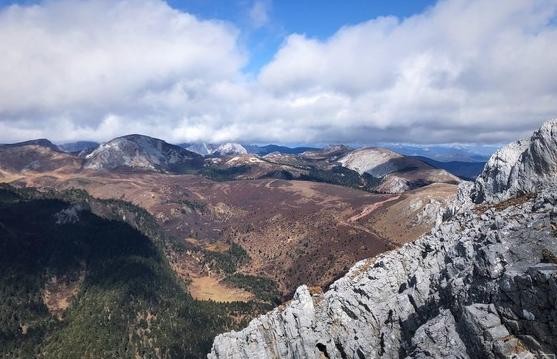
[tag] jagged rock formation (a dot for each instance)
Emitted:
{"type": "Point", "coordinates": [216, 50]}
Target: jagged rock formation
{"type": "Point", "coordinates": [520, 167]}
{"type": "Point", "coordinates": [142, 152]}
{"type": "Point", "coordinates": [482, 285]}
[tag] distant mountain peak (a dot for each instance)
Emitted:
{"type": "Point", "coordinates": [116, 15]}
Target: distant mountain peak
{"type": "Point", "coordinates": [43, 142]}
{"type": "Point", "coordinates": [142, 152]}
{"type": "Point", "coordinates": [229, 149]}
{"type": "Point", "coordinates": [225, 149]}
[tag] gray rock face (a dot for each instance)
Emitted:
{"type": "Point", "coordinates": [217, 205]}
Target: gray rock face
{"type": "Point", "coordinates": [483, 284]}
{"type": "Point", "coordinates": [477, 287]}
{"type": "Point", "coordinates": [520, 167]}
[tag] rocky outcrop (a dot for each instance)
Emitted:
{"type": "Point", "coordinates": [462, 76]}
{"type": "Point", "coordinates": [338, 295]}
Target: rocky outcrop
{"type": "Point", "coordinates": [483, 284]}
{"type": "Point", "coordinates": [521, 167]}
{"type": "Point", "coordinates": [478, 287]}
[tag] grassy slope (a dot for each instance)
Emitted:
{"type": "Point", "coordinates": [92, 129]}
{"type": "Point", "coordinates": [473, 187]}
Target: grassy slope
{"type": "Point", "coordinates": [129, 302]}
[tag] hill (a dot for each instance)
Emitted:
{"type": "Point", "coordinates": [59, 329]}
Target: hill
{"type": "Point", "coordinates": [41, 142]}
{"type": "Point", "coordinates": [399, 173]}
{"type": "Point", "coordinates": [36, 156]}
{"type": "Point", "coordinates": [142, 152]}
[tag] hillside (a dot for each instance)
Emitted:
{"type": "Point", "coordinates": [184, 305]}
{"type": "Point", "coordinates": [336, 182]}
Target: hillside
{"type": "Point", "coordinates": [32, 157]}
{"type": "Point", "coordinates": [268, 218]}
{"type": "Point", "coordinates": [481, 285]}
{"type": "Point", "coordinates": [41, 142]}
{"type": "Point", "coordinates": [76, 285]}
{"type": "Point", "coordinates": [398, 173]}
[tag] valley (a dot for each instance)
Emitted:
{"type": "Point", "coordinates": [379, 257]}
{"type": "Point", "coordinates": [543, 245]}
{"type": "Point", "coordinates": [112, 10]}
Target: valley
{"type": "Point", "coordinates": [288, 228]}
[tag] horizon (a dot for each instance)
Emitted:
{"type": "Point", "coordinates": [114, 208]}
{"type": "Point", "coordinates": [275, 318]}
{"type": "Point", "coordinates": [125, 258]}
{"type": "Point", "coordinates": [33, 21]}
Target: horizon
{"type": "Point", "coordinates": [284, 144]}
{"type": "Point", "coordinates": [481, 152]}
{"type": "Point", "coordinates": [263, 71]}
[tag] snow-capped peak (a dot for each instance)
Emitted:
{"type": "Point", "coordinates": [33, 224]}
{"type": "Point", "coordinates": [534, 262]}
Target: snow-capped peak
{"type": "Point", "coordinates": [229, 149]}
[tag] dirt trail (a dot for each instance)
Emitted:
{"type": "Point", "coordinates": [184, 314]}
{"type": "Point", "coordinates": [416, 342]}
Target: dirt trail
{"type": "Point", "coordinates": [369, 209]}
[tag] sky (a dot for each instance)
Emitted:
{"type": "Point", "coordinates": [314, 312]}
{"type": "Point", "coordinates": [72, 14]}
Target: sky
{"type": "Point", "coordinates": [270, 71]}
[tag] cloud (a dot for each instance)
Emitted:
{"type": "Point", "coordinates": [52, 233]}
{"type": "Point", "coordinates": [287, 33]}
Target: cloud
{"type": "Point", "coordinates": [259, 13]}
{"type": "Point", "coordinates": [85, 60]}
{"type": "Point", "coordinates": [462, 71]}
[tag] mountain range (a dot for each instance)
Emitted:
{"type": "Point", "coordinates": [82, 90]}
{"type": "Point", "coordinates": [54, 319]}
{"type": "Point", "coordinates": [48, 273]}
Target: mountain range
{"type": "Point", "coordinates": [375, 169]}
{"type": "Point", "coordinates": [460, 162]}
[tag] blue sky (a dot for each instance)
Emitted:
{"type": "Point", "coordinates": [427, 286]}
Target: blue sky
{"type": "Point", "coordinates": [278, 71]}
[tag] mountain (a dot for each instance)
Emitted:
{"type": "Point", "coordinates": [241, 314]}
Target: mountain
{"type": "Point", "coordinates": [267, 149]}
{"type": "Point", "coordinates": [399, 173]}
{"type": "Point", "coordinates": [229, 149]}
{"type": "Point", "coordinates": [79, 146]}
{"type": "Point", "coordinates": [482, 284]}
{"type": "Point", "coordinates": [372, 169]}
{"type": "Point", "coordinates": [379, 162]}
{"type": "Point", "coordinates": [142, 152]}
{"type": "Point", "coordinates": [42, 142]}
{"type": "Point", "coordinates": [465, 170]}
{"type": "Point", "coordinates": [36, 156]}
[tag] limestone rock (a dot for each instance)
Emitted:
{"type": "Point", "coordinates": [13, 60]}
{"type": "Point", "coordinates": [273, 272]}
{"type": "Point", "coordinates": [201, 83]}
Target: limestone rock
{"type": "Point", "coordinates": [521, 167]}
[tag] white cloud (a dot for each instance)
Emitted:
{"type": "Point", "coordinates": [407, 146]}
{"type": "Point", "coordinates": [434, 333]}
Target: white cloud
{"type": "Point", "coordinates": [87, 59]}
{"type": "Point", "coordinates": [461, 68]}
{"type": "Point", "coordinates": [463, 71]}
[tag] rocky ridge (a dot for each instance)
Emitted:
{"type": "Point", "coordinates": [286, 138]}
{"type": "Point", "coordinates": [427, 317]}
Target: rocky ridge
{"type": "Point", "coordinates": [520, 167]}
{"type": "Point", "coordinates": [482, 285]}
